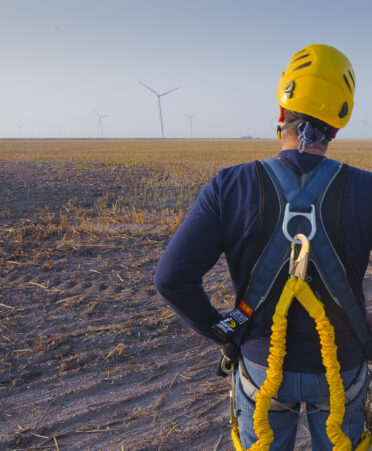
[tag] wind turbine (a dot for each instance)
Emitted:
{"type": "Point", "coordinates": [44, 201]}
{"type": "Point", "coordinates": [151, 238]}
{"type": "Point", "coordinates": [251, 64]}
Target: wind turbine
{"type": "Point", "coordinates": [273, 120]}
{"type": "Point", "coordinates": [159, 100]}
{"type": "Point", "coordinates": [190, 120]}
{"type": "Point", "coordinates": [100, 117]}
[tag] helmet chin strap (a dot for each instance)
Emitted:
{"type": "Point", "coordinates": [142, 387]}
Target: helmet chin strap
{"type": "Point", "coordinates": [281, 119]}
{"type": "Point", "coordinates": [279, 128]}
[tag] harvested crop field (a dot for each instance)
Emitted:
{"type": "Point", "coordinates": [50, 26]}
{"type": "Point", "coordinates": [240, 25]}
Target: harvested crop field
{"type": "Point", "coordinates": [90, 356]}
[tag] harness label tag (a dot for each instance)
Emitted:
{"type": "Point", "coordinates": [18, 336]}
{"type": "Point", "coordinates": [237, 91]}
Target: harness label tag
{"type": "Point", "coordinates": [239, 316]}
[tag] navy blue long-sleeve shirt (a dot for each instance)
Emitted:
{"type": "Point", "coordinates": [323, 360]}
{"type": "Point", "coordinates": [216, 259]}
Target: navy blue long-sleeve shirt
{"type": "Point", "coordinates": [224, 218]}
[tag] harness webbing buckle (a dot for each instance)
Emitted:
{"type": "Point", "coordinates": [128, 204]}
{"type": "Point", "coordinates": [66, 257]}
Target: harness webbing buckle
{"type": "Point", "coordinates": [298, 264]}
{"type": "Point", "coordinates": [288, 215]}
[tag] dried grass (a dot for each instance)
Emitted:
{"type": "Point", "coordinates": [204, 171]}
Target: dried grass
{"type": "Point", "coordinates": [161, 181]}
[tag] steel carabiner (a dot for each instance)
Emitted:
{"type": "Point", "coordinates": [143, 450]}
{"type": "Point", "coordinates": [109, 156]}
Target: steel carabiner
{"type": "Point", "coordinates": [298, 264]}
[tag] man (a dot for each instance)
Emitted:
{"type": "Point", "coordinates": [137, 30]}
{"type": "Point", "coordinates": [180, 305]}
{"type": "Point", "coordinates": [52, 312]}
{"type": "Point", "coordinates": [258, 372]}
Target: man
{"type": "Point", "coordinates": [315, 94]}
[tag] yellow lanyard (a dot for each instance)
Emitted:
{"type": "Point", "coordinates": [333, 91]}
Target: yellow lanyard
{"type": "Point", "coordinates": [297, 288]}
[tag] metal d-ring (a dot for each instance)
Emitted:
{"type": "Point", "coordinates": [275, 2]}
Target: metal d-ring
{"type": "Point", "coordinates": [288, 215]}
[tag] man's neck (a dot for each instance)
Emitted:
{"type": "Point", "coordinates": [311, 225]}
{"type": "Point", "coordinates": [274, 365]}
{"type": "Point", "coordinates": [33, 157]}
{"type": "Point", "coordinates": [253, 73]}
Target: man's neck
{"type": "Point", "coordinates": [291, 142]}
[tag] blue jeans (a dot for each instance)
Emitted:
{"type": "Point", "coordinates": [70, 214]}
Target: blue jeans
{"type": "Point", "coordinates": [310, 388]}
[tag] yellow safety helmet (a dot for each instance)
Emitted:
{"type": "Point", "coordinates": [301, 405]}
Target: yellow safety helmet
{"type": "Point", "coordinates": [319, 81]}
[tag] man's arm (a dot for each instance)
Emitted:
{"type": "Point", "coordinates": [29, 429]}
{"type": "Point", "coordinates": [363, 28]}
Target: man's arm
{"type": "Point", "coordinates": [193, 250]}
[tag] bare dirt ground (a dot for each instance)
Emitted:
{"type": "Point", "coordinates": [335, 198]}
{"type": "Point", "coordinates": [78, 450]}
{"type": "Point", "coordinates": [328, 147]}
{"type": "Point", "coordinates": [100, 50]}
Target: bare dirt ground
{"type": "Point", "coordinates": [90, 356]}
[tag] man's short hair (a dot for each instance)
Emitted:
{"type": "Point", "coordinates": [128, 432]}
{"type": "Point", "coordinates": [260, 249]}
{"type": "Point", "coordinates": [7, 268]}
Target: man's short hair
{"type": "Point", "coordinates": [292, 119]}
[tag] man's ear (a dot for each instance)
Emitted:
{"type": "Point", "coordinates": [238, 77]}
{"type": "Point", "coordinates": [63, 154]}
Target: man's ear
{"type": "Point", "coordinates": [281, 115]}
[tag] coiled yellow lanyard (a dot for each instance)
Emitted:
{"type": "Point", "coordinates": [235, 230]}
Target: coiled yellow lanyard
{"type": "Point", "coordinates": [297, 288]}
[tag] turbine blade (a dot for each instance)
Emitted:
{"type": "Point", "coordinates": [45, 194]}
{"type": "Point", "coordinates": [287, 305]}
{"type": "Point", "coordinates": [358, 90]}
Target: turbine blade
{"type": "Point", "coordinates": [95, 111]}
{"type": "Point", "coordinates": [189, 116]}
{"type": "Point", "coordinates": [167, 92]}
{"type": "Point", "coordinates": [272, 118]}
{"type": "Point", "coordinates": [150, 89]}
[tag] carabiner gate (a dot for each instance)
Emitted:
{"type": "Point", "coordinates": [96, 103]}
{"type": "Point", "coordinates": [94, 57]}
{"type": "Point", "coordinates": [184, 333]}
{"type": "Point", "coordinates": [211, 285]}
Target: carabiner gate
{"type": "Point", "coordinates": [298, 266]}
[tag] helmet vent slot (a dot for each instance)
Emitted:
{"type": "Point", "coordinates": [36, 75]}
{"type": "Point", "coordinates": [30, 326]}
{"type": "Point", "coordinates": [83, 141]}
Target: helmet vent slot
{"type": "Point", "coordinates": [300, 57]}
{"type": "Point", "coordinates": [301, 51]}
{"type": "Point", "coordinates": [303, 65]}
{"type": "Point", "coordinates": [351, 76]}
{"type": "Point", "coordinates": [344, 110]}
{"type": "Point", "coordinates": [347, 83]}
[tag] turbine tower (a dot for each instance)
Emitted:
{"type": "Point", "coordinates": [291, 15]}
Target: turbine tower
{"type": "Point", "coordinates": [159, 100]}
{"type": "Point", "coordinates": [190, 120]}
{"type": "Point", "coordinates": [100, 117]}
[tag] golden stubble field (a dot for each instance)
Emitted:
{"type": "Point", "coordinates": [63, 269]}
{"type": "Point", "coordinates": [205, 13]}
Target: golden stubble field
{"type": "Point", "coordinates": [90, 356]}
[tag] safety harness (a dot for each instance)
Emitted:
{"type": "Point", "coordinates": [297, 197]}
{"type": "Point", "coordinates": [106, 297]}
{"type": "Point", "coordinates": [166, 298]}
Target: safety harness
{"type": "Point", "coordinates": [300, 200]}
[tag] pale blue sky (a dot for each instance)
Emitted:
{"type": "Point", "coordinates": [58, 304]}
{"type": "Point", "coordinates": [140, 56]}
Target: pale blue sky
{"type": "Point", "coordinates": [61, 58]}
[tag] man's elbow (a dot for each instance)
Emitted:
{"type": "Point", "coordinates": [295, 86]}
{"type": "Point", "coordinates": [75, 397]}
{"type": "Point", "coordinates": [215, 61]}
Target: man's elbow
{"type": "Point", "coordinates": [165, 280]}
{"type": "Point", "coordinates": [160, 281]}
{"type": "Point", "coordinates": [169, 281]}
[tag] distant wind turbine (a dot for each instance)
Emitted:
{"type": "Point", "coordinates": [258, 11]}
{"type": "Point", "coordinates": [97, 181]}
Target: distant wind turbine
{"type": "Point", "coordinates": [273, 120]}
{"type": "Point", "coordinates": [100, 117]}
{"type": "Point", "coordinates": [20, 131]}
{"type": "Point", "coordinates": [190, 120]}
{"type": "Point", "coordinates": [363, 121]}
{"type": "Point", "coordinates": [159, 100]}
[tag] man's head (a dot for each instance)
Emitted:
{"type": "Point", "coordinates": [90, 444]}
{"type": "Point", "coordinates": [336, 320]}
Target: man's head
{"type": "Point", "coordinates": [315, 93]}
{"type": "Point", "coordinates": [297, 130]}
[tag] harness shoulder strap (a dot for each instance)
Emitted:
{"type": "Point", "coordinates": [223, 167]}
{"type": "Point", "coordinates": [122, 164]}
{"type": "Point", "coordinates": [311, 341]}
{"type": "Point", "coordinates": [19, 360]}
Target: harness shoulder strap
{"type": "Point", "coordinates": [267, 220]}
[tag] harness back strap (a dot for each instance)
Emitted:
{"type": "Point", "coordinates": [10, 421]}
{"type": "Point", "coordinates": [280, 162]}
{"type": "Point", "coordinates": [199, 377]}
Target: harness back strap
{"type": "Point", "coordinates": [300, 193]}
{"type": "Point", "coordinates": [277, 249]}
